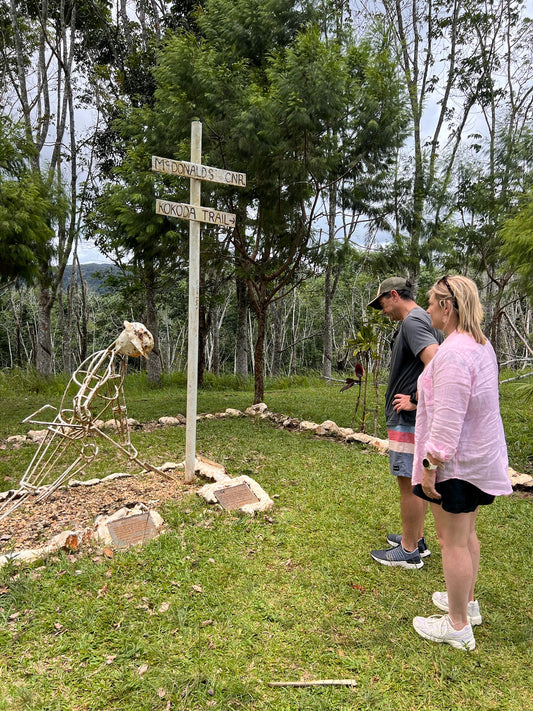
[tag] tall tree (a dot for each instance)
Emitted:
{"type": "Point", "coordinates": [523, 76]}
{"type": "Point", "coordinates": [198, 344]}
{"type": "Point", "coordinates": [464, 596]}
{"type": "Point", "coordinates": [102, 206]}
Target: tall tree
{"type": "Point", "coordinates": [438, 48]}
{"type": "Point", "coordinates": [120, 72]}
{"type": "Point", "coordinates": [38, 44]}
{"type": "Point", "coordinates": [204, 87]}
{"type": "Point", "coordinates": [363, 148]}
{"type": "Point", "coordinates": [271, 93]}
{"type": "Point", "coordinates": [138, 241]}
{"type": "Point", "coordinates": [497, 171]}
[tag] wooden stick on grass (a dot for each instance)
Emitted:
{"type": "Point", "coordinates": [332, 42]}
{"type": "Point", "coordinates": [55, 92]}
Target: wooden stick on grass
{"type": "Point", "coordinates": [318, 682]}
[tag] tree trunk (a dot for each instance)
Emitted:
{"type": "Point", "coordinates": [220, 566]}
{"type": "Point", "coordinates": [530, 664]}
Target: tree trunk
{"type": "Point", "coordinates": [203, 330]}
{"type": "Point", "coordinates": [17, 312]}
{"type": "Point", "coordinates": [259, 365]}
{"type": "Point", "coordinates": [153, 367]}
{"type": "Point", "coordinates": [327, 354]}
{"type": "Point", "coordinates": [215, 332]}
{"type": "Point", "coordinates": [67, 325]}
{"type": "Point", "coordinates": [277, 340]}
{"type": "Point", "coordinates": [44, 335]}
{"type": "Point", "coordinates": [241, 335]}
{"type": "Point", "coordinates": [83, 327]}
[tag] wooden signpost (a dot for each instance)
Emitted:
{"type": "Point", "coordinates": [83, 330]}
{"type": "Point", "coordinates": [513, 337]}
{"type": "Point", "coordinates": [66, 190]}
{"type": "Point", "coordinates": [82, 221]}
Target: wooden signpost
{"type": "Point", "coordinates": [196, 214]}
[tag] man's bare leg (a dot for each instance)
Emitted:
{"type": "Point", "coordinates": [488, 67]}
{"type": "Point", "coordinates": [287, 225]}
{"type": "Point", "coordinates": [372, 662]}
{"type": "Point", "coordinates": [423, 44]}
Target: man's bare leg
{"type": "Point", "coordinates": [413, 510]}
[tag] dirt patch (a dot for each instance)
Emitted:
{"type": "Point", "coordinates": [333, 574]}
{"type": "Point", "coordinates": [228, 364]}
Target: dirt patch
{"type": "Point", "coordinates": [74, 508]}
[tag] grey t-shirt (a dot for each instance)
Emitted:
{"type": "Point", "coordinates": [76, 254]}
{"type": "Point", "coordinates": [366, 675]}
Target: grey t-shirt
{"type": "Point", "coordinates": [414, 334]}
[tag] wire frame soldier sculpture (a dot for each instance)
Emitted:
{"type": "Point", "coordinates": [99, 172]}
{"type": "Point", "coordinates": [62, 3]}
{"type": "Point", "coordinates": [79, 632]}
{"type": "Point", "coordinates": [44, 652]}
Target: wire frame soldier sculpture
{"type": "Point", "coordinates": [94, 392]}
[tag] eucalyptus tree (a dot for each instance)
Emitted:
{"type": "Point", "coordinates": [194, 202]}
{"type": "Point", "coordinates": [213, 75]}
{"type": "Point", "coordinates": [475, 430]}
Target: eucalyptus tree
{"type": "Point", "coordinates": [122, 220]}
{"type": "Point", "coordinates": [497, 170]}
{"type": "Point", "coordinates": [41, 73]}
{"type": "Point", "coordinates": [119, 63]}
{"type": "Point", "coordinates": [441, 50]}
{"type": "Point", "coordinates": [362, 149]}
{"type": "Point", "coordinates": [472, 241]}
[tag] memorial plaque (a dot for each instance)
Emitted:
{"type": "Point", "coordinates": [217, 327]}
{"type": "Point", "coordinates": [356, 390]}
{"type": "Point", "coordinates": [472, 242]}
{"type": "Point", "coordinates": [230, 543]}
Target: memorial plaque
{"type": "Point", "coordinates": [130, 530]}
{"type": "Point", "coordinates": [233, 497]}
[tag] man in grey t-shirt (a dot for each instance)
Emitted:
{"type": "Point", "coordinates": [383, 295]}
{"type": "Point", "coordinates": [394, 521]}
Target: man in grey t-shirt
{"type": "Point", "coordinates": [414, 345]}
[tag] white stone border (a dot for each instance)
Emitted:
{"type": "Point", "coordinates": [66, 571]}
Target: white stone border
{"type": "Point", "coordinates": [328, 428]}
{"type": "Point", "coordinates": [72, 540]}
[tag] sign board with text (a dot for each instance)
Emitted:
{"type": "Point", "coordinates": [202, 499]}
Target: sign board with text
{"type": "Point", "coordinates": [195, 212]}
{"type": "Point", "coordinates": [184, 169]}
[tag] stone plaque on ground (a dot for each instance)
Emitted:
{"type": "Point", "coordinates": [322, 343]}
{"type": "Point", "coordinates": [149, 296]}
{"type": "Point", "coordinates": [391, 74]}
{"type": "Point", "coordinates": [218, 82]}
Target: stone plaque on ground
{"type": "Point", "coordinates": [130, 530]}
{"type": "Point", "coordinates": [233, 497]}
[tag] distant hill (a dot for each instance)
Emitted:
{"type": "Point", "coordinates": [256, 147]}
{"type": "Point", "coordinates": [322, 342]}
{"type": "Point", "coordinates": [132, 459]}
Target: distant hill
{"type": "Point", "coordinates": [93, 274]}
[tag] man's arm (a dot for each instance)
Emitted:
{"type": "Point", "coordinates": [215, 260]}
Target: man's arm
{"type": "Point", "coordinates": [427, 353]}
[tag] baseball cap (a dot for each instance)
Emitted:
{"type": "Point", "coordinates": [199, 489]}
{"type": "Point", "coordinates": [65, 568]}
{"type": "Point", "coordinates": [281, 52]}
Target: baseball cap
{"type": "Point", "coordinates": [389, 284]}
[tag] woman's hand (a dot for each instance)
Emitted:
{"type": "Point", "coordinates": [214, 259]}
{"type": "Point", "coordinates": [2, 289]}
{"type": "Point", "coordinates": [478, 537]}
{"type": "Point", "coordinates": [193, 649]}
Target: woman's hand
{"type": "Point", "coordinates": [428, 484]}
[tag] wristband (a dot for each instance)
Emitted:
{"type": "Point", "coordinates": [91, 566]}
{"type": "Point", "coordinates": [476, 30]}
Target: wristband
{"type": "Point", "coordinates": [428, 465]}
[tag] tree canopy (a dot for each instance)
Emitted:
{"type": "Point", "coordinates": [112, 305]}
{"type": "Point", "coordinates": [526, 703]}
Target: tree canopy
{"type": "Point", "coordinates": [274, 96]}
{"type": "Point", "coordinates": [399, 129]}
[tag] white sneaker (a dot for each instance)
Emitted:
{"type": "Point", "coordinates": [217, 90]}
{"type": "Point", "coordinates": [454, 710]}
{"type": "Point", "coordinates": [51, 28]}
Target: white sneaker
{"type": "Point", "coordinates": [440, 600]}
{"type": "Point", "coordinates": [440, 629]}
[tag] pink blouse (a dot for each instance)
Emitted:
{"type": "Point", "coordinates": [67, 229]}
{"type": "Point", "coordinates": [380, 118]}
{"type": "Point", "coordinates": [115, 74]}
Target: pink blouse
{"type": "Point", "coordinates": [458, 416]}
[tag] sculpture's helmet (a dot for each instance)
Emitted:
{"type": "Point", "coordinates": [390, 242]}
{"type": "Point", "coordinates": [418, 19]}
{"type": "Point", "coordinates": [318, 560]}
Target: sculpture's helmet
{"type": "Point", "coordinates": [135, 340]}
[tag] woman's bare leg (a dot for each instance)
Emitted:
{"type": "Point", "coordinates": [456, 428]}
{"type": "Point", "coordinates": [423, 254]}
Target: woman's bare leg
{"type": "Point", "coordinates": [460, 559]}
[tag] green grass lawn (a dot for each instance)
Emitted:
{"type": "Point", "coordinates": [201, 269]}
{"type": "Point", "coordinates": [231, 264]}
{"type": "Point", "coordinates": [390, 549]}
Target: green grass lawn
{"type": "Point", "coordinates": [210, 612]}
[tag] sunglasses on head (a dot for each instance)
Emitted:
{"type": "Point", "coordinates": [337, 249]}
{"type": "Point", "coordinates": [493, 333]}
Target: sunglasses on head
{"type": "Point", "coordinates": [452, 293]}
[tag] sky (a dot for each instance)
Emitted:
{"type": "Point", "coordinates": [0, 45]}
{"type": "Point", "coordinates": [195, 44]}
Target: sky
{"type": "Point", "coordinates": [88, 254]}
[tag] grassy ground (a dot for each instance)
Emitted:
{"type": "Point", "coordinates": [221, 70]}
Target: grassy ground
{"type": "Point", "coordinates": [206, 615]}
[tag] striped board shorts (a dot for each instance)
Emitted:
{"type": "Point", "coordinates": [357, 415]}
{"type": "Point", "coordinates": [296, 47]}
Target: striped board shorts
{"type": "Point", "coordinates": [401, 450]}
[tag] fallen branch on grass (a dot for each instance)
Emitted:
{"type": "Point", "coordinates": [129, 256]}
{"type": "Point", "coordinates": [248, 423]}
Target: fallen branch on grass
{"type": "Point", "coordinates": [318, 682]}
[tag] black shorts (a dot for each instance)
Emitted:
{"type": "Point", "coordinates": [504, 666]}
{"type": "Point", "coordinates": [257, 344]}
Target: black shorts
{"type": "Point", "coordinates": [458, 496]}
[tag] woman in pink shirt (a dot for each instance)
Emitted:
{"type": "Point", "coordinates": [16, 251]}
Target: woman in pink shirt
{"type": "Point", "coordinates": [460, 460]}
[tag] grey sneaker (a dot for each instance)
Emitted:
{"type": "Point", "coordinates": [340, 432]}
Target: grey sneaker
{"type": "Point", "coordinates": [439, 629]}
{"type": "Point", "coordinates": [440, 600]}
{"type": "Point", "coordinates": [395, 539]}
{"type": "Point", "coordinates": [396, 556]}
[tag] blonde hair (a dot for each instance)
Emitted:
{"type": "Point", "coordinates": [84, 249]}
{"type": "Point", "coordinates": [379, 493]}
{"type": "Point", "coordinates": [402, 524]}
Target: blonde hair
{"type": "Point", "coordinates": [464, 297]}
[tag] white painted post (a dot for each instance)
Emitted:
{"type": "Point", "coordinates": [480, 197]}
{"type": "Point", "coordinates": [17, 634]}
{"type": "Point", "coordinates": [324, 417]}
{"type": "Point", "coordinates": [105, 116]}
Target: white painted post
{"type": "Point", "coordinates": [194, 309]}
{"type": "Point", "coordinates": [196, 214]}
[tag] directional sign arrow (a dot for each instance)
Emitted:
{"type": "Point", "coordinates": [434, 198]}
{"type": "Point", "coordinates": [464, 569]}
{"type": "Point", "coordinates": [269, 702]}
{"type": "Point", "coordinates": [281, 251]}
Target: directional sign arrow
{"type": "Point", "coordinates": [195, 212]}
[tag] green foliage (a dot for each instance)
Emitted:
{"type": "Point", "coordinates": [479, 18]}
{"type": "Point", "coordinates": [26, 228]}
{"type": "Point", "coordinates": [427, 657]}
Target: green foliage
{"type": "Point", "coordinates": [517, 234]}
{"type": "Point", "coordinates": [274, 94]}
{"type": "Point", "coordinates": [252, 29]}
{"type": "Point", "coordinates": [368, 345]}
{"type": "Point", "coordinates": [296, 117]}
{"type": "Point", "coordinates": [26, 209]}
